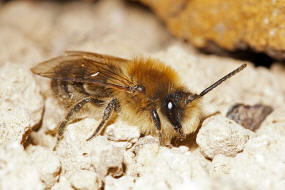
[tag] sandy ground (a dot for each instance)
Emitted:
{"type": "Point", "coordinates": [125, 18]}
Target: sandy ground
{"type": "Point", "coordinates": [221, 155]}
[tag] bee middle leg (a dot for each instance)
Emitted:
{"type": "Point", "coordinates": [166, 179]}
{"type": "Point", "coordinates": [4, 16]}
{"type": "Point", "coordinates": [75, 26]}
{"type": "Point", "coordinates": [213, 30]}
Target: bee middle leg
{"type": "Point", "coordinates": [112, 106]}
{"type": "Point", "coordinates": [74, 110]}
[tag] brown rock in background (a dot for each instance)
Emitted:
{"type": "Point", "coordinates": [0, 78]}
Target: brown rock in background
{"type": "Point", "coordinates": [230, 24]}
{"type": "Point", "coordinates": [250, 117]}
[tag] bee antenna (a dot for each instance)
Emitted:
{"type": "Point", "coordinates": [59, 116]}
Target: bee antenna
{"type": "Point", "coordinates": [217, 83]}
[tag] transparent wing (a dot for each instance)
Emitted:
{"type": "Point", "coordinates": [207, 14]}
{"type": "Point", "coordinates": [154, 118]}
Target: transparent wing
{"type": "Point", "coordinates": [85, 67]}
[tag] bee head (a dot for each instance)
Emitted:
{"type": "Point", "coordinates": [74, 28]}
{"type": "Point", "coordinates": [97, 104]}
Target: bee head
{"type": "Point", "coordinates": [173, 107]}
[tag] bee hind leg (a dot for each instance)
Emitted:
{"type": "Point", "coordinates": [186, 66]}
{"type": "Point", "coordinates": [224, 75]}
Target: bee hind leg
{"type": "Point", "coordinates": [113, 105]}
{"type": "Point", "coordinates": [74, 110]}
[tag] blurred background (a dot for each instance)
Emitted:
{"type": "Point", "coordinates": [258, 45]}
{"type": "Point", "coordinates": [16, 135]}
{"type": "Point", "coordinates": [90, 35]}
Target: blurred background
{"type": "Point", "coordinates": [246, 30]}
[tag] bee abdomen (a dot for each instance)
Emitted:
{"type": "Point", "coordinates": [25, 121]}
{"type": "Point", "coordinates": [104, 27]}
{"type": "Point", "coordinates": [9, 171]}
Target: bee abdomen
{"type": "Point", "coordinates": [71, 92]}
{"type": "Point", "coordinates": [61, 89]}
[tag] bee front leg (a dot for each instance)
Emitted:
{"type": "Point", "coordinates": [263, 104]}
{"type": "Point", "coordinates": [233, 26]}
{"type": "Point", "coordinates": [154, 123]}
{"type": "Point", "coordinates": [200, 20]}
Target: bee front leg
{"type": "Point", "coordinates": [113, 105]}
{"type": "Point", "coordinates": [156, 120]}
{"type": "Point", "coordinates": [74, 110]}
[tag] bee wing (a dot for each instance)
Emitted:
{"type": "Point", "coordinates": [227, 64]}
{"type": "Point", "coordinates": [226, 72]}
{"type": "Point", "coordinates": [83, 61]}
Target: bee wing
{"type": "Point", "coordinates": [85, 67]}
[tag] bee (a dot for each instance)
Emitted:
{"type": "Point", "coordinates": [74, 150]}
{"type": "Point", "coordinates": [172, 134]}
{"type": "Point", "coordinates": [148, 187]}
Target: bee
{"type": "Point", "coordinates": [143, 91]}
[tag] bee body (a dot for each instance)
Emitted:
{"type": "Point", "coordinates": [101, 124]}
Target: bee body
{"type": "Point", "coordinates": [143, 91]}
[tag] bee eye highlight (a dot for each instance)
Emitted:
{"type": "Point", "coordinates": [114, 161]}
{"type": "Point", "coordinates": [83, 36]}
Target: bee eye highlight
{"type": "Point", "coordinates": [169, 105]}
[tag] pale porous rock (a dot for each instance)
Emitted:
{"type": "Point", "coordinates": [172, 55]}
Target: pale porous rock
{"type": "Point", "coordinates": [200, 183]}
{"type": "Point", "coordinates": [51, 118]}
{"type": "Point", "coordinates": [211, 183]}
{"type": "Point", "coordinates": [160, 167]}
{"type": "Point", "coordinates": [278, 70]}
{"type": "Point", "coordinates": [274, 123]}
{"type": "Point", "coordinates": [220, 165]}
{"type": "Point", "coordinates": [81, 25]}
{"type": "Point", "coordinates": [85, 180]}
{"type": "Point", "coordinates": [220, 135]}
{"type": "Point", "coordinates": [120, 132]}
{"type": "Point", "coordinates": [41, 138]}
{"type": "Point", "coordinates": [129, 160]}
{"type": "Point", "coordinates": [131, 155]}
{"type": "Point", "coordinates": [17, 171]}
{"type": "Point", "coordinates": [262, 163]}
{"type": "Point", "coordinates": [21, 104]}
{"type": "Point", "coordinates": [63, 184]}
{"type": "Point", "coordinates": [54, 113]}
{"type": "Point", "coordinates": [143, 141]}
{"type": "Point", "coordinates": [73, 150]}
{"type": "Point", "coordinates": [123, 183]}
{"type": "Point", "coordinates": [47, 164]}
{"type": "Point", "coordinates": [107, 158]}
{"type": "Point", "coordinates": [98, 154]}
{"type": "Point", "coordinates": [200, 165]}
{"type": "Point", "coordinates": [16, 48]}
{"type": "Point", "coordinates": [34, 28]}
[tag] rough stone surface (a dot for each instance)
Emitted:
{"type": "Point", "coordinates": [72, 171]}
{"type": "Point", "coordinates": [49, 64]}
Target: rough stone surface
{"type": "Point", "coordinates": [229, 24]}
{"type": "Point", "coordinates": [220, 135]}
{"type": "Point", "coordinates": [55, 113]}
{"type": "Point", "coordinates": [123, 183]}
{"type": "Point", "coordinates": [17, 170]}
{"type": "Point", "coordinates": [21, 104]}
{"type": "Point", "coordinates": [98, 154]}
{"type": "Point", "coordinates": [121, 158]}
{"type": "Point", "coordinates": [85, 180]}
{"type": "Point", "coordinates": [255, 167]}
{"type": "Point", "coordinates": [161, 167]}
{"type": "Point", "coordinates": [274, 123]}
{"type": "Point", "coordinates": [107, 158]}
{"type": "Point", "coordinates": [47, 164]}
{"type": "Point", "coordinates": [117, 132]}
{"type": "Point", "coordinates": [63, 184]}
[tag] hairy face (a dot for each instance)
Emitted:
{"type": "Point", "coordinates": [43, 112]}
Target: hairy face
{"type": "Point", "coordinates": [173, 107]}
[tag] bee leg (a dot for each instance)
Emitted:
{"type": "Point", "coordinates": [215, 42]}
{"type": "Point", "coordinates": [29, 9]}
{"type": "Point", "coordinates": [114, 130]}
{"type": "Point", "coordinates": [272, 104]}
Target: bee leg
{"type": "Point", "coordinates": [113, 105]}
{"type": "Point", "coordinates": [75, 109]}
{"type": "Point", "coordinates": [156, 120]}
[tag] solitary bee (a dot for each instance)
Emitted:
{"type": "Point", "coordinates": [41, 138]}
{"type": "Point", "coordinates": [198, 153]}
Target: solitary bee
{"type": "Point", "coordinates": [143, 91]}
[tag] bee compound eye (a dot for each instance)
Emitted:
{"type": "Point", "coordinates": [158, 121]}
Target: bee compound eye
{"type": "Point", "coordinates": [170, 105]}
